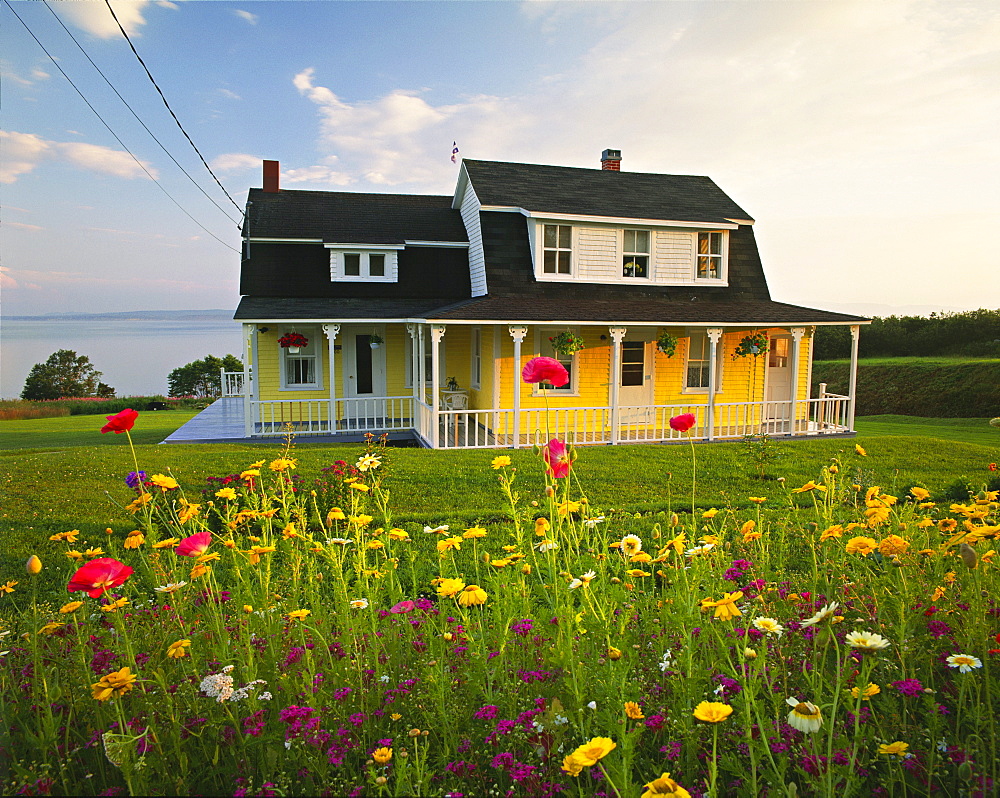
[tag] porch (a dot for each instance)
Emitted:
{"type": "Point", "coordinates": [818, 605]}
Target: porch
{"type": "Point", "coordinates": [403, 417]}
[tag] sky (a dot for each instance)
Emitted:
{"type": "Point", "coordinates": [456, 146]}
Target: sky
{"type": "Point", "coordinates": [861, 136]}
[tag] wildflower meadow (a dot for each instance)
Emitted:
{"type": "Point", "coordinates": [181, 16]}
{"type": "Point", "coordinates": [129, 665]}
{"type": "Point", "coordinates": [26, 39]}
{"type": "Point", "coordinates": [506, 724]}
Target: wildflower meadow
{"type": "Point", "coordinates": [277, 633]}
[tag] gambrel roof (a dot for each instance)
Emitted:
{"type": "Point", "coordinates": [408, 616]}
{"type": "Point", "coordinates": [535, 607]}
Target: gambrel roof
{"type": "Point", "coordinates": [594, 192]}
{"type": "Point", "coordinates": [344, 217]}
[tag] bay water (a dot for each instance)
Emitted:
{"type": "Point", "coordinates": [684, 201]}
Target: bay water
{"type": "Point", "coordinates": [134, 353]}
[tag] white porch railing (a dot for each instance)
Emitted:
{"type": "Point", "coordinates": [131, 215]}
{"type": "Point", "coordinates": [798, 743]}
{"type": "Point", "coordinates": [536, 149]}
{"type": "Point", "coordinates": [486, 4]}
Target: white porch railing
{"type": "Point", "coordinates": [330, 417]}
{"type": "Point", "coordinates": [233, 383]}
{"type": "Point", "coordinates": [498, 428]}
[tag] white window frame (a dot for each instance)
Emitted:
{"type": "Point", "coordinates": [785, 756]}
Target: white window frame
{"type": "Point", "coordinates": [476, 366]}
{"type": "Point", "coordinates": [700, 333]}
{"type": "Point", "coordinates": [315, 338]}
{"type": "Point", "coordinates": [624, 253]}
{"type": "Point", "coordinates": [364, 254]}
{"type": "Point", "coordinates": [544, 349]}
{"type": "Point", "coordinates": [442, 364]}
{"type": "Point", "coordinates": [723, 257]}
{"type": "Point", "coordinates": [542, 249]}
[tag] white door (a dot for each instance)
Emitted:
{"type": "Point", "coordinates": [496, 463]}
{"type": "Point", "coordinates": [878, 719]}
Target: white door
{"type": "Point", "coordinates": [364, 378]}
{"type": "Point", "coordinates": [635, 379]}
{"type": "Point", "coordinates": [778, 406]}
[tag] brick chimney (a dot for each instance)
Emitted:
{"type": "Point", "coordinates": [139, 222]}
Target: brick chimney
{"type": "Point", "coordinates": [271, 176]}
{"type": "Point", "coordinates": [611, 161]}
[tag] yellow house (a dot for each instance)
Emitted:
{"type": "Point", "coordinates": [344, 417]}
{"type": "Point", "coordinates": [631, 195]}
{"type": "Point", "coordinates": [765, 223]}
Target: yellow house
{"type": "Point", "coordinates": [414, 315]}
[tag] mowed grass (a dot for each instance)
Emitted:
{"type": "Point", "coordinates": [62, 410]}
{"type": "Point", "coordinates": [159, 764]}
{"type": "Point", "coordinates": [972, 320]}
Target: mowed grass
{"type": "Point", "coordinates": [967, 430]}
{"type": "Point", "coordinates": [66, 431]}
{"type": "Point", "coordinates": [933, 360]}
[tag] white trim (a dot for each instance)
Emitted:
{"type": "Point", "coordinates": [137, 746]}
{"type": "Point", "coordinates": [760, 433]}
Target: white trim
{"type": "Point", "coordinates": [476, 353]}
{"type": "Point", "coordinates": [729, 325]}
{"type": "Point", "coordinates": [285, 240]}
{"type": "Point", "coordinates": [720, 346]}
{"type": "Point", "coordinates": [314, 336]}
{"type": "Point", "coordinates": [623, 220]}
{"type": "Point", "coordinates": [443, 244]}
{"type": "Point", "coordinates": [544, 332]}
{"type": "Point", "coordinates": [375, 247]}
{"type": "Point", "coordinates": [390, 266]}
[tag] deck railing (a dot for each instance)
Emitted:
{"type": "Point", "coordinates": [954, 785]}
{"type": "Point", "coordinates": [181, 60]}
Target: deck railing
{"type": "Point", "coordinates": [233, 383]}
{"type": "Point", "coordinates": [498, 428]}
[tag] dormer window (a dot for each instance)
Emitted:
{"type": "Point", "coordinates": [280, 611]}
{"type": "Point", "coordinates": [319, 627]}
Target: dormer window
{"type": "Point", "coordinates": [363, 265]}
{"type": "Point", "coordinates": [557, 249]}
{"type": "Point", "coordinates": [709, 258]}
{"type": "Point", "coordinates": [635, 254]}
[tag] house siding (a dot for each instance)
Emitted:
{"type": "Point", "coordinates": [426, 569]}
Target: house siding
{"type": "Point", "coordinates": [477, 260]}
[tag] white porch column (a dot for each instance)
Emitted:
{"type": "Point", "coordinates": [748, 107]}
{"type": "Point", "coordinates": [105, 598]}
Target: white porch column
{"type": "Point", "coordinates": [853, 387]}
{"type": "Point", "coordinates": [518, 334]}
{"type": "Point", "coordinates": [714, 336]}
{"type": "Point", "coordinates": [421, 362]}
{"type": "Point", "coordinates": [437, 333]}
{"type": "Point", "coordinates": [331, 331]}
{"type": "Point", "coordinates": [249, 385]}
{"type": "Point", "coordinates": [797, 334]}
{"type": "Point", "coordinates": [415, 383]}
{"type": "Point", "coordinates": [617, 336]}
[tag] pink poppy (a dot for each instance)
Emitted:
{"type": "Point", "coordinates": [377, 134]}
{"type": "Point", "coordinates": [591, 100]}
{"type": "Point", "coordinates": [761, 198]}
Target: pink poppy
{"type": "Point", "coordinates": [121, 422]}
{"type": "Point", "coordinates": [195, 545]}
{"type": "Point", "coordinates": [403, 606]}
{"type": "Point", "coordinates": [99, 576]}
{"type": "Point", "coordinates": [683, 422]}
{"type": "Point", "coordinates": [557, 458]}
{"type": "Point", "coordinates": [545, 369]}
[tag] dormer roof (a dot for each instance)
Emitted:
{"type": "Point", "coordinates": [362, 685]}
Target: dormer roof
{"type": "Point", "coordinates": [565, 190]}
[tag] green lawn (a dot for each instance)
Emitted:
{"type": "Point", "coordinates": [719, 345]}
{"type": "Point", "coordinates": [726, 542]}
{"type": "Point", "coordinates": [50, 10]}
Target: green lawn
{"type": "Point", "coordinates": [64, 431]}
{"type": "Point", "coordinates": [967, 430]}
{"type": "Point", "coordinates": [933, 360]}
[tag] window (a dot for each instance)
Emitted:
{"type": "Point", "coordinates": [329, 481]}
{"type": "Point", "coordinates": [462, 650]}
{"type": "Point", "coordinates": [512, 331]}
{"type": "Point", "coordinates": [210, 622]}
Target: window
{"type": "Point", "coordinates": [476, 377]}
{"type": "Point", "coordinates": [635, 254]}
{"type": "Point", "coordinates": [709, 259]}
{"type": "Point", "coordinates": [698, 362]}
{"type": "Point", "coordinates": [545, 349]}
{"type": "Point", "coordinates": [428, 371]}
{"type": "Point", "coordinates": [633, 363]}
{"type": "Point", "coordinates": [302, 370]}
{"type": "Point", "coordinates": [363, 266]}
{"type": "Point", "coordinates": [557, 249]}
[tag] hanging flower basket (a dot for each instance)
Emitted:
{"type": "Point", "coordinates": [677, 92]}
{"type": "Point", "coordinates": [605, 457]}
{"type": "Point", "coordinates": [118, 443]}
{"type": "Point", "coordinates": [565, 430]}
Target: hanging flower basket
{"type": "Point", "coordinates": [292, 341]}
{"type": "Point", "coordinates": [753, 345]}
{"type": "Point", "coordinates": [667, 343]}
{"type": "Point", "coordinates": [375, 340]}
{"type": "Point", "coordinates": [566, 343]}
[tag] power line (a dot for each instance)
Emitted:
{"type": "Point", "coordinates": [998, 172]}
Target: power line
{"type": "Point", "coordinates": [150, 132]}
{"type": "Point", "coordinates": [112, 132]}
{"type": "Point", "coordinates": [171, 110]}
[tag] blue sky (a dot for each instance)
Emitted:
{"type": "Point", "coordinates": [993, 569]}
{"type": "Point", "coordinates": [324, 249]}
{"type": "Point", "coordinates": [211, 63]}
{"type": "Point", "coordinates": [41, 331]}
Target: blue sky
{"type": "Point", "coordinates": [862, 136]}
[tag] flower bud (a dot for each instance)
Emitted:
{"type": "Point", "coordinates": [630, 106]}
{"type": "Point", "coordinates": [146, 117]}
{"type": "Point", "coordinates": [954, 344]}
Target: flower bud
{"type": "Point", "coordinates": [381, 780]}
{"type": "Point", "coordinates": [34, 565]}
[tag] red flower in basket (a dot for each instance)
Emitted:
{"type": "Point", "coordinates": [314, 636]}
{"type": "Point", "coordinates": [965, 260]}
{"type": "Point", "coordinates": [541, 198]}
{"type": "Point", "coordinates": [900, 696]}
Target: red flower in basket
{"type": "Point", "coordinates": [293, 339]}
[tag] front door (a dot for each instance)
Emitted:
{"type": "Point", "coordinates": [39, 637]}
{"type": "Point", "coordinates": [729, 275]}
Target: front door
{"type": "Point", "coordinates": [364, 377]}
{"type": "Point", "coordinates": [778, 405]}
{"type": "Point", "coordinates": [635, 379]}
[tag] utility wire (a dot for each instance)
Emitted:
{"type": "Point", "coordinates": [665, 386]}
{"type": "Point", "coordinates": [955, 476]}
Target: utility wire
{"type": "Point", "coordinates": [171, 110]}
{"type": "Point", "coordinates": [112, 132]}
{"type": "Point", "coordinates": [150, 132]}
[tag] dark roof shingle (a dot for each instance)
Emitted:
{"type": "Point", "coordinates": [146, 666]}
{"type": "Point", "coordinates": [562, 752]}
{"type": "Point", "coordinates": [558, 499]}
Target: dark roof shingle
{"type": "Point", "coordinates": [593, 192]}
{"type": "Point", "coordinates": [349, 218]}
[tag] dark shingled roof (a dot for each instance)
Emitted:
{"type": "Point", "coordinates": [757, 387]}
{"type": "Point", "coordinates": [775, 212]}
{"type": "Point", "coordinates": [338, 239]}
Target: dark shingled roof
{"type": "Point", "coordinates": [349, 218]}
{"type": "Point", "coordinates": [593, 192]}
{"type": "Point", "coordinates": [667, 312]}
{"type": "Point", "coordinates": [520, 309]}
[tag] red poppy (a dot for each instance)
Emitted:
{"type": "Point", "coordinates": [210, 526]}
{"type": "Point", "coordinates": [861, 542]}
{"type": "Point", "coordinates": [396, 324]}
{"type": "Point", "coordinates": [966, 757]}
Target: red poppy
{"type": "Point", "coordinates": [683, 422]}
{"type": "Point", "coordinates": [98, 576]}
{"type": "Point", "coordinates": [992, 466]}
{"type": "Point", "coordinates": [545, 369]}
{"type": "Point", "coordinates": [121, 422]}
{"type": "Point", "coordinates": [403, 607]}
{"type": "Point", "coordinates": [557, 458]}
{"type": "Point", "coordinates": [195, 545]}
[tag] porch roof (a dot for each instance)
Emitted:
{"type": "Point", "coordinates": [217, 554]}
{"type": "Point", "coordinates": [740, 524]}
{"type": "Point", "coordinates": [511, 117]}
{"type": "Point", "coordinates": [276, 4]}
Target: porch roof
{"type": "Point", "coordinates": [520, 309]}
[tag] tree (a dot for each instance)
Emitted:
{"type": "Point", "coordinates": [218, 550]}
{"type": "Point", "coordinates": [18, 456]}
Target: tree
{"type": "Point", "coordinates": [64, 374]}
{"type": "Point", "coordinates": [201, 377]}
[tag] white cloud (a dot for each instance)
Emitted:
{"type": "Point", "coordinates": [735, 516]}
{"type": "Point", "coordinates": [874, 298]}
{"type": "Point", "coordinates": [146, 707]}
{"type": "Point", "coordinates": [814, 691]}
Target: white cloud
{"type": "Point", "coordinates": [236, 162]}
{"type": "Point", "coordinates": [229, 95]}
{"type": "Point", "coordinates": [25, 151]}
{"type": "Point", "coordinates": [246, 15]}
{"type": "Point", "coordinates": [93, 16]}
{"type": "Point", "coordinates": [23, 226]}
{"type": "Point", "coordinates": [37, 74]}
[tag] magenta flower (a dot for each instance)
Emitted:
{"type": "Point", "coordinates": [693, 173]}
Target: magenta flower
{"type": "Point", "coordinates": [683, 422]}
{"type": "Point", "coordinates": [195, 545]}
{"type": "Point", "coordinates": [545, 369]}
{"type": "Point", "coordinates": [98, 576]}
{"type": "Point", "coordinates": [557, 458]}
{"type": "Point", "coordinates": [403, 607]}
{"type": "Point", "coordinates": [121, 422]}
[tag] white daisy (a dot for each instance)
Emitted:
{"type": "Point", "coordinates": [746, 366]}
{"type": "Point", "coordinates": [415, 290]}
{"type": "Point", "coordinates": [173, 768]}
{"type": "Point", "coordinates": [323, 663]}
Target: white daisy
{"type": "Point", "coordinates": [769, 626]}
{"type": "Point", "coordinates": [591, 523]}
{"type": "Point", "coordinates": [805, 716]}
{"type": "Point", "coordinates": [826, 612]}
{"type": "Point", "coordinates": [964, 662]}
{"type": "Point", "coordinates": [440, 530]}
{"type": "Point", "coordinates": [867, 641]}
{"type": "Point", "coordinates": [170, 587]}
{"type": "Point", "coordinates": [359, 604]}
{"type": "Point", "coordinates": [631, 545]}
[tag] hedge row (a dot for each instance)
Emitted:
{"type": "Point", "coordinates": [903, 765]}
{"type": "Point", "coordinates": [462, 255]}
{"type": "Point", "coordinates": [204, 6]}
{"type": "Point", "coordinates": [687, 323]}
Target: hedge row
{"type": "Point", "coordinates": [964, 390]}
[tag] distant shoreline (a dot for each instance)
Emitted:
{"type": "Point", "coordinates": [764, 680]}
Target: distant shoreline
{"type": "Point", "coordinates": [214, 314]}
